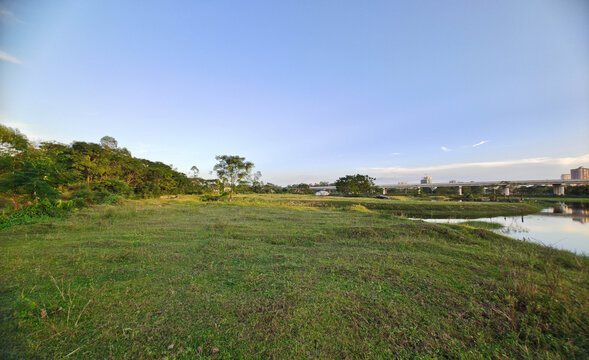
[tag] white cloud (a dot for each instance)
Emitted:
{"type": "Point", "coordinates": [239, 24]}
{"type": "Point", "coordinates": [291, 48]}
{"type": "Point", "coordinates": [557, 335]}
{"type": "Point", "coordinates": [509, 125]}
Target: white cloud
{"type": "Point", "coordinates": [396, 153]}
{"type": "Point", "coordinates": [445, 149]}
{"type": "Point", "coordinates": [505, 168]}
{"type": "Point", "coordinates": [480, 143]}
{"type": "Point", "coordinates": [7, 57]}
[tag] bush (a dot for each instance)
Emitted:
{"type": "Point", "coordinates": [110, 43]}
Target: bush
{"type": "Point", "coordinates": [212, 197]}
{"type": "Point", "coordinates": [112, 200]}
{"type": "Point", "coordinates": [358, 207]}
{"type": "Point", "coordinates": [91, 197]}
{"type": "Point", "coordinates": [79, 203]}
{"type": "Point", "coordinates": [113, 186]}
{"type": "Point", "coordinates": [42, 210]}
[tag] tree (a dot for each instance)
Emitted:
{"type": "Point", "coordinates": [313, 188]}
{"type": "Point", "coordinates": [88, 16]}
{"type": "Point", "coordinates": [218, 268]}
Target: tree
{"type": "Point", "coordinates": [195, 171]}
{"type": "Point", "coordinates": [14, 150]}
{"type": "Point", "coordinates": [232, 170]}
{"type": "Point", "coordinates": [89, 159]}
{"type": "Point", "coordinates": [299, 189]}
{"type": "Point", "coordinates": [256, 184]}
{"type": "Point", "coordinates": [355, 184]}
{"type": "Point", "coordinates": [36, 177]}
{"type": "Point", "coordinates": [109, 142]}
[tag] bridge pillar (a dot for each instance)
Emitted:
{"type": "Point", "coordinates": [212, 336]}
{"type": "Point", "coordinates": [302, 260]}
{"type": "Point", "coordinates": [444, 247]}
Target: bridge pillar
{"type": "Point", "coordinates": [384, 191]}
{"type": "Point", "coordinates": [506, 190]}
{"type": "Point", "coordinates": [558, 189]}
{"type": "Point", "coordinates": [460, 190]}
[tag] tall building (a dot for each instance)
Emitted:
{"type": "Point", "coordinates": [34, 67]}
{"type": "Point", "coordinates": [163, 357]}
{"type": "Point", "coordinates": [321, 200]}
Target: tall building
{"type": "Point", "coordinates": [426, 180]}
{"type": "Point", "coordinates": [580, 173]}
{"type": "Point", "coordinates": [565, 177]}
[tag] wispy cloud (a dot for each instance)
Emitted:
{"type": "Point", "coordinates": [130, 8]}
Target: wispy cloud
{"type": "Point", "coordinates": [8, 16]}
{"type": "Point", "coordinates": [480, 143]}
{"type": "Point", "coordinates": [445, 149]}
{"type": "Point", "coordinates": [568, 161]}
{"type": "Point", "coordinates": [396, 153]}
{"type": "Point", "coordinates": [7, 57]}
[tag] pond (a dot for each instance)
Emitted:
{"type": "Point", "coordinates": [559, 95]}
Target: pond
{"type": "Point", "coordinates": [565, 226]}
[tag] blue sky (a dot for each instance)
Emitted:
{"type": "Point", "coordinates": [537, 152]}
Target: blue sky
{"type": "Point", "coordinates": [308, 90]}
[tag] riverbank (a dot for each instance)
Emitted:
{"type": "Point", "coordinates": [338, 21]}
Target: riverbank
{"type": "Point", "coordinates": [558, 199]}
{"type": "Point", "coordinates": [185, 279]}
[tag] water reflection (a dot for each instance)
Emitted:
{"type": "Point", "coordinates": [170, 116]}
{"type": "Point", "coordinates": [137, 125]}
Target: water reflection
{"type": "Point", "coordinates": [563, 226]}
{"type": "Point", "coordinates": [578, 212]}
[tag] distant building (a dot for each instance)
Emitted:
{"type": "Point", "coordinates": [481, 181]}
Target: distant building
{"type": "Point", "coordinates": [402, 183]}
{"type": "Point", "coordinates": [580, 173]}
{"type": "Point", "coordinates": [426, 180]}
{"type": "Point", "coordinates": [453, 181]}
{"type": "Point", "coordinates": [565, 177]}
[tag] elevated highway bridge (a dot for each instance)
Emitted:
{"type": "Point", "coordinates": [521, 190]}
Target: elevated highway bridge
{"type": "Point", "coordinates": [506, 185]}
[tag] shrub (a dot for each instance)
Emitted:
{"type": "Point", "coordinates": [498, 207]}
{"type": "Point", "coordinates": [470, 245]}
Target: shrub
{"type": "Point", "coordinates": [358, 207]}
{"type": "Point", "coordinates": [112, 199]}
{"type": "Point", "coordinates": [212, 197]}
{"type": "Point", "coordinates": [113, 186]}
{"type": "Point", "coordinates": [91, 197]}
{"type": "Point", "coordinates": [79, 203]}
{"type": "Point", "coordinates": [42, 210]}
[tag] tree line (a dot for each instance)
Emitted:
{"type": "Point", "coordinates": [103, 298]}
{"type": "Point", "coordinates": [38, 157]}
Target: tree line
{"type": "Point", "coordinates": [91, 172]}
{"type": "Point", "coordinates": [29, 172]}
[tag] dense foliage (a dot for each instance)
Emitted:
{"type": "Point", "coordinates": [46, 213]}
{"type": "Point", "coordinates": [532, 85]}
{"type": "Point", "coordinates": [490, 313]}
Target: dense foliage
{"type": "Point", "coordinates": [355, 184]}
{"type": "Point", "coordinates": [233, 170]}
{"type": "Point", "coordinates": [92, 172]}
{"type": "Point", "coordinates": [42, 210]}
{"type": "Point", "coordinates": [89, 173]}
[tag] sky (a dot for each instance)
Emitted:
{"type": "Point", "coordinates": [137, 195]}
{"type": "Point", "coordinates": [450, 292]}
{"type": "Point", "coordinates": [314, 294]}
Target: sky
{"type": "Point", "coordinates": [308, 90]}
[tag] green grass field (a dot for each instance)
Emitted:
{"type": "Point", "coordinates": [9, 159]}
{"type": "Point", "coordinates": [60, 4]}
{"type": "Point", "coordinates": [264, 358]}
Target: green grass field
{"type": "Point", "coordinates": [556, 199]}
{"type": "Point", "coordinates": [402, 206]}
{"type": "Point", "coordinates": [286, 277]}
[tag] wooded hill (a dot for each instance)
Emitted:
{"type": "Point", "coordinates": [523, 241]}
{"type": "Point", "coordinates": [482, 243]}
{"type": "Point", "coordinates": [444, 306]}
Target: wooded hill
{"type": "Point", "coordinates": [30, 172]}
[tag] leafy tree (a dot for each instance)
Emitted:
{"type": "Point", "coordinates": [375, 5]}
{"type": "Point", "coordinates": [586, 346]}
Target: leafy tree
{"type": "Point", "coordinates": [89, 159]}
{"type": "Point", "coordinates": [194, 171]}
{"type": "Point", "coordinates": [232, 170]}
{"type": "Point", "coordinates": [109, 142]}
{"type": "Point", "coordinates": [12, 141]}
{"type": "Point", "coordinates": [33, 178]}
{"type": "Point", "coordinates": [14, 150]}
{"type": "Point", "coordinates": [446, 190]}
{"type": "Point", "coordinates": [256, 184]}
{"type": "Point", "coordinates": [578, 190]}
{"type": "Point", "coordinates": [269, 188]}
{"type": "Point", "coordinates": [473, 190]}
{"type": "Point", "coordinates": [355, 184]}
{"type": "Point", "coordinates": [299, 189]}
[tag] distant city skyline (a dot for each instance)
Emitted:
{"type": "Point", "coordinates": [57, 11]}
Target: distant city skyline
{"type": "Point", "coordinates": [308, 91]}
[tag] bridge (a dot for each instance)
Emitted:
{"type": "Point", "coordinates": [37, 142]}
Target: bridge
{"type": "Point", "coordinates": [506, 185]}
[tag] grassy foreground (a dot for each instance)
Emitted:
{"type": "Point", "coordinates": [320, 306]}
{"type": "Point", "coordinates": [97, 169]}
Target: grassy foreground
{"type": "Point", "coordinates": [281, 279]}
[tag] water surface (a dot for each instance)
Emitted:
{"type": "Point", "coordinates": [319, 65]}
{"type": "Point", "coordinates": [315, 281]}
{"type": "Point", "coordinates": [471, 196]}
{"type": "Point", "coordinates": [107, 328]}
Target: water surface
{"type": "Point", "coordinates": [565, 226]}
